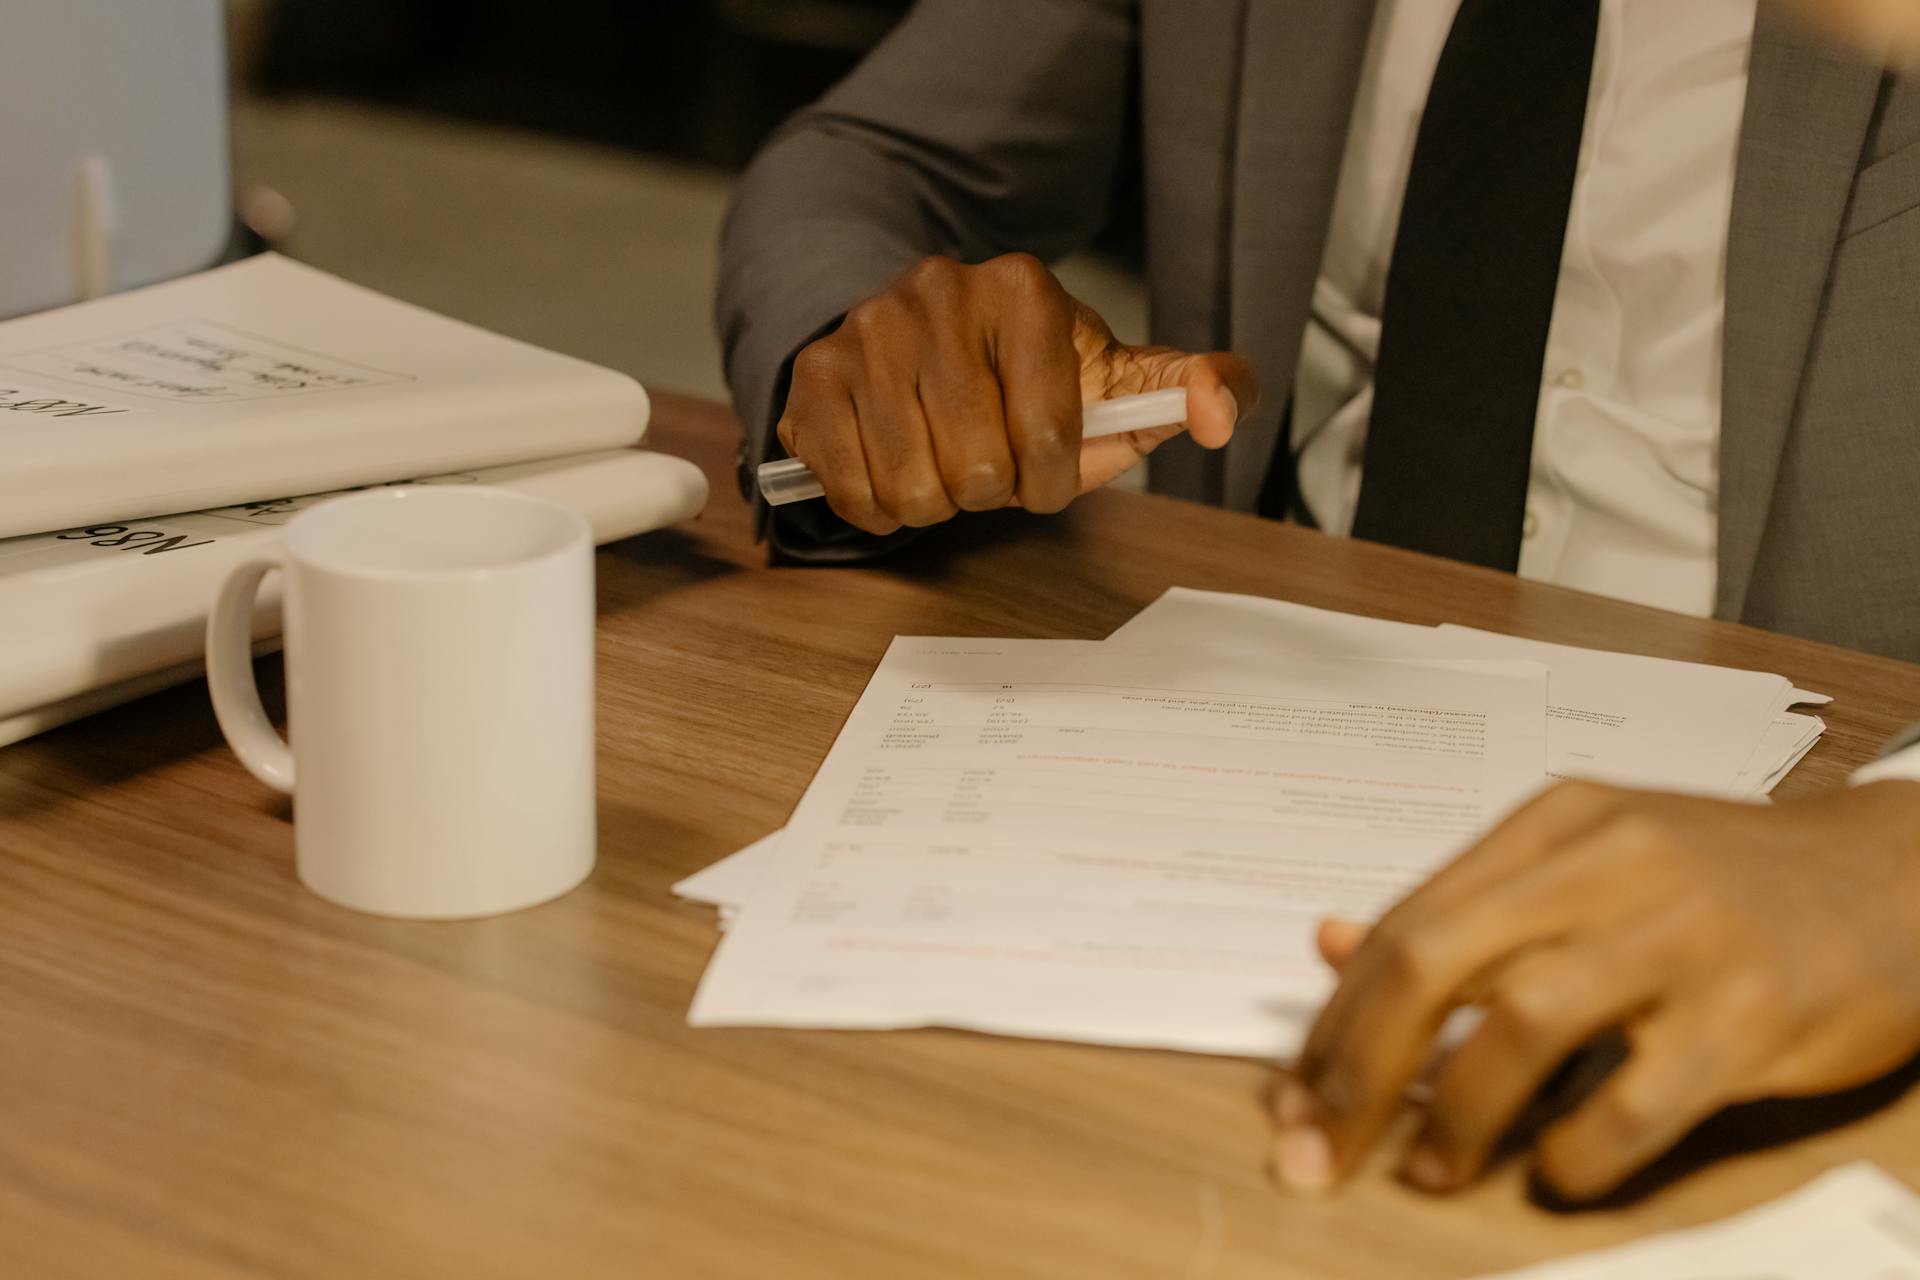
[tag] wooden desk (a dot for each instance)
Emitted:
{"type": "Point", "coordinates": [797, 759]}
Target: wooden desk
{"type": "Point", "coordinates": [206, 1071]}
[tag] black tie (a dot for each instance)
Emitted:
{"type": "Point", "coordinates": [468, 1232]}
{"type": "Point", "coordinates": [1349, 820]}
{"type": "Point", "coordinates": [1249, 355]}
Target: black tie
{"type": "Point", "coordinates": [1470, 289]}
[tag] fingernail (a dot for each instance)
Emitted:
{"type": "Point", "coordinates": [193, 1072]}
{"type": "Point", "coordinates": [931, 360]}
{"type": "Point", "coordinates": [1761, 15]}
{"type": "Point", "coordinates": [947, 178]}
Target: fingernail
{"type": "Point", "coordinates": [1425, 1169]}
{"type": "Point", "coordinates": [1303, 1159]}
{"type": "Point", "coordinates": [1292, 1104]}
{"type": "Point", "coordinates": [1233, 405]}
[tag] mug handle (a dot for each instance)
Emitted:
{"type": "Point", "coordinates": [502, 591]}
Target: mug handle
{"type": "Point", "coordinates": [236, 699]}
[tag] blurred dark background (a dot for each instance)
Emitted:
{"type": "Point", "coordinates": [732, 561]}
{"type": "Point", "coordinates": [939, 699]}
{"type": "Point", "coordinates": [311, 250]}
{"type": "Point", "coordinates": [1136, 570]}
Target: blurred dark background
{"type": "Point", "coordinates": [703, 81]}
{"type": "Point", "coordinates": [552, 169]}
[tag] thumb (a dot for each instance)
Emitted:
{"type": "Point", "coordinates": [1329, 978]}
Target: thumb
{"type": "Point", "coordinates": [1221, 387]}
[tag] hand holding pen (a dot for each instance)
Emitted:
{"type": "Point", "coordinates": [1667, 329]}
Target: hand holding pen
{"type": "Point", "coordinates": [963, 388]}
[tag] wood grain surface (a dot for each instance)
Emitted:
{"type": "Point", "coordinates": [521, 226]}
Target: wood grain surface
{"type": "Point", "coordinates": [206, 1071]}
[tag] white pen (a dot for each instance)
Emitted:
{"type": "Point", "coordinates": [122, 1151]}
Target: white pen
{"type": "Point", "coordinates": [790, 480]}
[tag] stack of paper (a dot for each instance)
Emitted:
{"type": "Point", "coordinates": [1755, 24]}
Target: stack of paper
{"type": "Point", "coordinates": [1080, 840]}
{"type": "Point", "coordinates": [1131, 842]}
{"type": "Point", "coordinates": [236, 386]}
{"type": "Point", "coordinates": [99, 615]}
{"type": "Point", "coordinates": [1612, 717]}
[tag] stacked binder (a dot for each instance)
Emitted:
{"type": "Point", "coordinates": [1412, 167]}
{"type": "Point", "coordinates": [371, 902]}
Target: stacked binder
{"type": "Point", "coordinates": [219, 395]}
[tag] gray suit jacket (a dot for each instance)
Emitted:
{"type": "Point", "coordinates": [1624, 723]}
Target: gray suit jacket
{"type": "Point", "coordinates": [985, 126]}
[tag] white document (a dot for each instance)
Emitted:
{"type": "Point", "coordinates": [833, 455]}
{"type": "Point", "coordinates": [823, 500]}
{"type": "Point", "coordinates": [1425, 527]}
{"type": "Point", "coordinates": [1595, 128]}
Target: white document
{"type": "Point", "coordinates": [1788, 739]}
{"type": "Point", "coordinates": [1852, 1223]}
{"type": "Point", "coordinates": [265, 377]}
{"type": "Point", "coordinates": [1613, 717]}
{"type": "Point", "coordinates": [98, 615]}
{"type": "Point", "coordinates": [728, 883]}
{"type": "Point", "coordinates": [1082, 841]}
{"type": "Point", "coordinates": [1638, 721]}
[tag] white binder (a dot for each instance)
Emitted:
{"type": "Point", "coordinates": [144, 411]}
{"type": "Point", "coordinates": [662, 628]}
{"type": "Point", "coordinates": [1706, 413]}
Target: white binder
{"type": "Point", "coordinates": [265, 377]}
{"type": "Point", "coordinates": [113, 610]}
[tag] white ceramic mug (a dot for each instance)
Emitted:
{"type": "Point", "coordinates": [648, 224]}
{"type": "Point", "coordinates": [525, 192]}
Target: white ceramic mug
{"type": "Point", "coordinates": [439, 659]}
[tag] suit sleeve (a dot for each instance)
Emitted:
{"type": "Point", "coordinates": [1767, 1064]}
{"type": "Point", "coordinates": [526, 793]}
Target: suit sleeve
{"type": "Point", "coordinates": [978, 127]}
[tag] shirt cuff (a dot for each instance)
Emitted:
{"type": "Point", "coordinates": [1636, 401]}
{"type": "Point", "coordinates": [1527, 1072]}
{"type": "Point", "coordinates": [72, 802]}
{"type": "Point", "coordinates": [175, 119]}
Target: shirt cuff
{"type": "Point", "coordinates": [1901, 765]}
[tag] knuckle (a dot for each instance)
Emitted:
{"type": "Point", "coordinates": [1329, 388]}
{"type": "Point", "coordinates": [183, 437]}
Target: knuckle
{"type": "Point", "coordinates": [1633, 1106]}
{"type": "Point", "coordinates": [1021, 271]}
{"type": "Point", "coordinates": [1053, 444]}
{"type": "Point", "coordinates": [867, 321]}
{"type": "Point", "coordinates": [924, 516]}
{"type": "Point", "coordinates": [932, 285]}
{"type": "Point", "coordinates": [936, 271]}
{"type": "Point", "coordinates": [861, 515]}
{"type": "Point", "coordinates": [1396, 919]}
{"type": "Point", "coordinates": [1460, 1128]}
{"type": "Point", "coordinates": [856, 506]}
{"type": "Point", "coordinates": [1567, 1169]}
{"type": "Point", "coordinates": [1045, 501]}
{"type": "Point", "coordinates": [1406, 959]}
{"type": "Point", "coordinates": [818, 362]}
{"type": "Point", "coordinates": [920, 505]}
{"type": "Point", "coordinates": [1049, 453]}
{"type": "Point", "coordinates": [1524, 1017]}
{"type": "Point", "coordinates": [1049, 472]}
{"type": "Point", "coordinates": [983, 486]}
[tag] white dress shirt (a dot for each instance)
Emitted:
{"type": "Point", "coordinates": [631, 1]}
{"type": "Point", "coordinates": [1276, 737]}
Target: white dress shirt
{"type": "Point", "coordinates": [1624, 494]}
{"type": "Point", "coordinates": [1623, 497]}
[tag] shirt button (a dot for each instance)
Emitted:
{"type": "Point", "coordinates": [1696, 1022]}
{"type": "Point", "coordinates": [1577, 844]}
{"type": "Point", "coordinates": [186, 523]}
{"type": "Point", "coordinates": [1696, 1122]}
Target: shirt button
{"type": "Point", "coordinates": [1571, 379]}
{"type": "Point", "coordinates": [1530, 524]}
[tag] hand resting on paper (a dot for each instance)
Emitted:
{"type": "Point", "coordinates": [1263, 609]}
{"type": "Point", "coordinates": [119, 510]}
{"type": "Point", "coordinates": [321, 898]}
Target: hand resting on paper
{"type": "Point", "coordinates": [960, 389]}
{"type": "Point", "coordinates": [1742, 952]}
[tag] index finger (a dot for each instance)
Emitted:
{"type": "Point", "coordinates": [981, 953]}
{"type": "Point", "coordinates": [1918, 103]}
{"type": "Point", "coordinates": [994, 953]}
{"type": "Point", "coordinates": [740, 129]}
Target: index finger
{"type": "Point", "coordinates": [1547, 822]}
{"type": "Point", "coordinates": [1411, 972]}
{"type": "Point", "coordinates": [1039, 372]}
